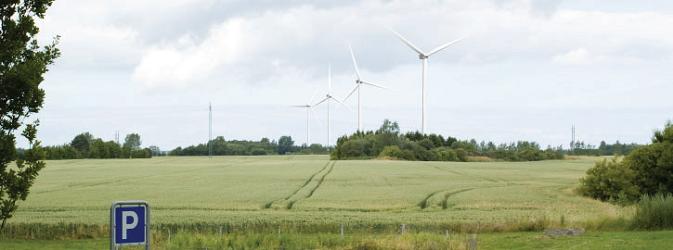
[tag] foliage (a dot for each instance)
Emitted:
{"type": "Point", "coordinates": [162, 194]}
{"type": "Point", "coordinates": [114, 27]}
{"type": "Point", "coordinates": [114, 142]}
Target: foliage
{"type": "Point", "coordinates": [618, 148]}
{"type": "Point", "coordinates": [23, 64]}
{"type": "Point", "coordinates": [82, 142]}
{"type": "Point", "coordinates": [388, 142]}
{"type": "Point", "coordinates": [610, 181]}
{"type": "Point", "coordinates": [647, 170]}
{"type": "Point", "coordinates": [132, 141]}
{"type": "Point", "coordinates": [85, 145]}
{"type": "Point", "coordinates": [285, 145]}
{"type": "Point", "coordinates": [654, 212]}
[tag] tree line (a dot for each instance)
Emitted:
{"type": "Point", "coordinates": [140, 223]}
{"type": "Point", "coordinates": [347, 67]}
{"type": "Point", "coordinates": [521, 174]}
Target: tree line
{"type": "Point", "coordinates": [220, 146]}
{"type": "Point", "coordinates": [389, 142]}
{"type": "Point", "coordinates": [580, 148]}
{"type": "Point", "coordinates": [86, 146]}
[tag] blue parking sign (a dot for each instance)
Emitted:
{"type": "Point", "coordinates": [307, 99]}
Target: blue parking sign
{"type": "Point", "coordinates": [129, 224]}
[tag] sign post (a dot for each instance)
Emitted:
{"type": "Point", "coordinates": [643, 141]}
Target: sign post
{"type": "Point", "coordinates": [129, 224]}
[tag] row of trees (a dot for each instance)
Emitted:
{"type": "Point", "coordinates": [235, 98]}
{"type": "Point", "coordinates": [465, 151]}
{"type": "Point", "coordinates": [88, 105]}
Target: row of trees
{"type": "Point", "coordinates": [580, 148]}
{"type": "Point", "coordinates": [220, 146]}
{"type": "Point", "coordinates": [85, 145]}
{"type": "Point", "coordinates": [388, 142]}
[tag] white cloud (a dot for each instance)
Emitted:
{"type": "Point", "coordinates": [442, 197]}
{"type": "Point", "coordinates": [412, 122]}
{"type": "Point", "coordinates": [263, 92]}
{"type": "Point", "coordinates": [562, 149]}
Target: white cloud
{"type": "Point", "coordinates": [245, 53]}
{"type": "Point", "coordinates": [574, 57]}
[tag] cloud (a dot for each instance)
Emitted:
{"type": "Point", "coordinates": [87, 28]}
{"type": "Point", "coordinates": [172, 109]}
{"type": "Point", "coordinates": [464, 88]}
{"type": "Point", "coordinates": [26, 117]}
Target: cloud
{"type": "Point", "coordinates": [574, 57]}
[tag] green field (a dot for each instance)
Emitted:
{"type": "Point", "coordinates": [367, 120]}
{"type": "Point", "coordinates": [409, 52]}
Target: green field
{"type": "Point", "coordinates": [312, 190]}
{"type": "Point", "coordinates": [302, 201]}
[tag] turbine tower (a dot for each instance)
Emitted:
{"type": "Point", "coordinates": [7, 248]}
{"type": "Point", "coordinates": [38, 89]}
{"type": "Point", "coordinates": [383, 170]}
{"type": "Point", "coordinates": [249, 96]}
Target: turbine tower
{"type": "Point", "coordinates": [308, 107]}
{"type": "Point", "coordinates": [358, 84]}
{"type": "Point", "coordinates": [327, 99]}
{"type": "Point", "coordinates": [210, 130]}
{"type": "Point", "coordinates": [424, 61]}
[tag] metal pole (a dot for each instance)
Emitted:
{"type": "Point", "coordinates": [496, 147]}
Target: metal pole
{"type": "Point", "coordinates": [210, 130]}
{"type": "Point", "coordinates": [359, 108]}
{"type": "Point", "coordinates": [308, 117]}
{"type": "Point", "coordinates": [423, 76]}
{"type": "Point", "coordinates": [328, 123]}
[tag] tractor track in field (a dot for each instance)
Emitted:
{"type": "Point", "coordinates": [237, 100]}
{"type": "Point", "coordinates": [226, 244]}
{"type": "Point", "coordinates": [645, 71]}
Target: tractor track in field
{"type": "Point", "coordinates": [296, 195]}
{"type": "Point", "coordinates": [467, 175]}
{"type": "Point", "coordinates": [425, 203]}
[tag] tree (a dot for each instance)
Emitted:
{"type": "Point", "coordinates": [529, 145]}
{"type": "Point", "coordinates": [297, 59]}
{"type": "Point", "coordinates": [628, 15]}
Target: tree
{"type": "Point", "coordinates": [23, 64]}
{"type": "Point", "coordinates": [285, 144]}
{"type": "Point", "coordinates": [82, 142]}
{"type": "Point", "coordinates": [132, 141]}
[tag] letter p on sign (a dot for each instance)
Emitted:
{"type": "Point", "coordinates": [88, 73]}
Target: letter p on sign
{"type": "Point", "coordinates": [129, 224]}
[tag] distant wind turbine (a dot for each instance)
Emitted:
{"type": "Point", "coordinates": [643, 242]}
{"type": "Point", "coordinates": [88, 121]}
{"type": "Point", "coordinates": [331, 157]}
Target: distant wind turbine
{"type": "Point", "coordinates": [327, 99]}
{"type": "Point", "coordinates": [424, 60]}
{"type": "Point", "coordinates": [358, 84]}
{"type": "Point", "coordinates": [308, 107]}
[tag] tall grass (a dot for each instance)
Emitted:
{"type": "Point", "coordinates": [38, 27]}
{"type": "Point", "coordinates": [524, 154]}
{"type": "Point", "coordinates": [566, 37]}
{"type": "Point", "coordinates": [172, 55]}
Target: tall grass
{"type": "Point", "coordinates": [654, 212]}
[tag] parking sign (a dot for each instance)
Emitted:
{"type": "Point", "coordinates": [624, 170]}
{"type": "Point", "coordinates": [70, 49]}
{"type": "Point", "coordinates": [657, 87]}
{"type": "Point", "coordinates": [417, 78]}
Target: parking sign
{"type": "Point", "coordinates": [129, 224]}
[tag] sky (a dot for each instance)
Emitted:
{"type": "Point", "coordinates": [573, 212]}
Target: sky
{"type": "Point", "coordinates": [526, 70]}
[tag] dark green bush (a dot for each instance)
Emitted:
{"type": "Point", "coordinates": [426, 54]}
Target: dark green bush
{"type": "Point", "coordinates": [647, 170]}
{"type": "Point", "coordinates": [654, 212]}
{"type": "Point", "coordinates": [610, 181]}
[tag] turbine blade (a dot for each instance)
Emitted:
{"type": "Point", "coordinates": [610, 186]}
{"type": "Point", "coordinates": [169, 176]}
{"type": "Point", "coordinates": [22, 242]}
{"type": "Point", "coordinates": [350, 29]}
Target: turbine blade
{"type": "Point", "coordinates": [299, 106]}
{"type": "Point", "coordinates": [355, 62]}
{"type": "Point", "coordinates": [329, 79]}
{"type": "Point", "coordinates": [440, 48]}
{"type": "Point", "coordinates": [320, 102]}
{"type": "Point", "coordinates": [374, 84]}
{"type": "Point", "coordinates": [342, 104]}
{"type": "Point", "coordinates": [407, 42]}
{"type": "Point", "coordinates": [352, 91]}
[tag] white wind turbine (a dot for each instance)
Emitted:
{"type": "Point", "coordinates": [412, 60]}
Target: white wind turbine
{"type": "Point", "coordinates": [327, 99]}
{"type": "Point", "coordinates": [358, 84]}
{"type": "Point", "coordinates": [308, 107]}
{"type": "Point", "coordinates": [424, 60]}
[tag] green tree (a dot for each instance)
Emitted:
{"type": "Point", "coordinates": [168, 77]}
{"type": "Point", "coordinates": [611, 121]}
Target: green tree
{"type": "Point", "coordinates": [285, 144]}
{"type": "Point", "coordinates": [23, 64]}
{"type": "Point", "coordinates": [132, 141]}
{"type": "Point", "coordinates": [82, 143]}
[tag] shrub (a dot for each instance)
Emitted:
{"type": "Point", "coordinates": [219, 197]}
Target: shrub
{"type": "Point", "coordinates": [610, 181]}
{"type": "Point", "coordinates": [654, 212]}
{"type": "Point", "coordinates": [445, 154]}
{"type": "Point", "coordinates": [392, 152]}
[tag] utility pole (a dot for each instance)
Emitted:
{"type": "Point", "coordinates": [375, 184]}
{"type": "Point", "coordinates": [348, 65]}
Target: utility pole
{"type": "Point", "coordinates": [210, 130]}
{"type": "Point", "coordinates": [572, 141]}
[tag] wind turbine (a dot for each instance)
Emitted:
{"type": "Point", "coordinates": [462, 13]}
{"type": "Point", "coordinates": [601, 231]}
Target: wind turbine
{"type": "Point", "coordinates": [308, 107]}
{"type": "Point", "coordinates": [424, 61]}
{"type": "Point", "coordinates": [358, 84]}
{"type": "Point", "coordinates": [327, 99]}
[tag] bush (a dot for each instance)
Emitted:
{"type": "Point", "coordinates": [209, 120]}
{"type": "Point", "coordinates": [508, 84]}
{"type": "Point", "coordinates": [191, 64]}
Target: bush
{"type": "Point", "coordinates": [610, 181]}
{"type": "Point", "coordinates": [445, 154]}
{"type": "Point", "coordinates": [654, 212]}
{"type": "Point", "coordinates": [392, 152]}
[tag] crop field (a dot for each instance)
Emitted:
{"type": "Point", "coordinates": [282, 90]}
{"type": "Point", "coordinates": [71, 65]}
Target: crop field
{"type": "Point", "coordinates": [312, 190]}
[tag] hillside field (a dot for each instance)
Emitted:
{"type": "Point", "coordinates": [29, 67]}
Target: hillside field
{"type": "Point", "coordinates": [300, 202]}
{"type": "Point", "coordinates": [312, 190]}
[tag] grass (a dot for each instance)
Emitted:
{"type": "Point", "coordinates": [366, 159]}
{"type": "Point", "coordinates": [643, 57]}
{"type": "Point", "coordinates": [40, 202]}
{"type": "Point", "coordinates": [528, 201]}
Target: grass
{"type": "Point", "coordinates": [654, 212]}
{"type": "Point", "coordinates": [308, 197]}
{"type": "Point", "coordinates": [310, 190]}
{"type": "Point", "coordinates": [517, 240]}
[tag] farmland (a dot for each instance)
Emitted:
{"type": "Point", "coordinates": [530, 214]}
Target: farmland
{"type": "Point", "coordinates": [302, 201]}
{"type": "Point", "coordinates": [311, 190]}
